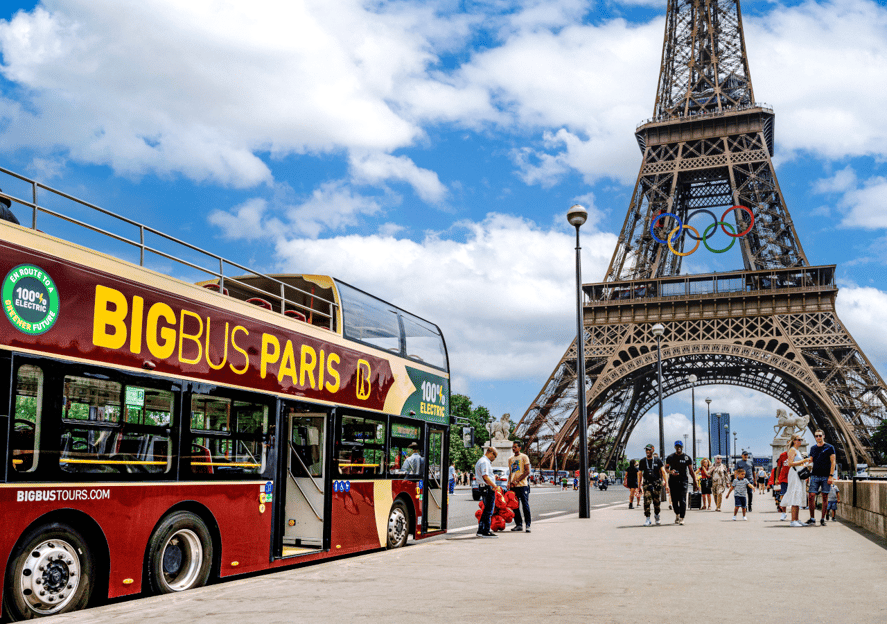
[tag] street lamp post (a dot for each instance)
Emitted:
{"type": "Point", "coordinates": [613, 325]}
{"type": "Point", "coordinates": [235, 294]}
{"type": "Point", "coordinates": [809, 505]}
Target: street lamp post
{"type": "Point", "coordinates": [577, 215]}
{"type": "Point", "coordinates": [658, 329]}
{"type": "Point", "coordinates": [693, 379]}
{"type": "Point", "coordinates": [734, 445]}
{"type": "Point", "coordinates": [708, 426]}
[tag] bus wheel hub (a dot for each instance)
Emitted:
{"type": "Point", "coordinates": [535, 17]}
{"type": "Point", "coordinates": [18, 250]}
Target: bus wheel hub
{"type": "Point", "coordinates": [50, 576]}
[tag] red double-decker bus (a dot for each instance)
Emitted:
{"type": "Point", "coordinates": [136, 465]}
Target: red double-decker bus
{"type": "Point", "coordinates": [158, 433]}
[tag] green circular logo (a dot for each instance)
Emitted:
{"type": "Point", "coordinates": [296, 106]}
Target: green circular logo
{"type": "Point", "coordinates": [30, 299]}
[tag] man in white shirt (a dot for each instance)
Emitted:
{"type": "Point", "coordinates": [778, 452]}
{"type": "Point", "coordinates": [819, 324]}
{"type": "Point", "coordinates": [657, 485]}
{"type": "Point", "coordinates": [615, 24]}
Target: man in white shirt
{"type": "Point", "coordinates": [413, 463]}
{"type": "Point", "coordinates": [483, 472]}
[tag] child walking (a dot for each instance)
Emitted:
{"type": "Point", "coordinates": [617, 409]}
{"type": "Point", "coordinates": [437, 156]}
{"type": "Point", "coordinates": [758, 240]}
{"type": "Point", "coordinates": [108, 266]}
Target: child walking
{"type": "Point", "coordinates": [834, 497]}
{"type": "Point", "coordinates": [741, 485]}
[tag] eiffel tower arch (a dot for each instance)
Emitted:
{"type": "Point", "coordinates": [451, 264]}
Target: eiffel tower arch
{"type": "Point", "coordinates": [770, 326]}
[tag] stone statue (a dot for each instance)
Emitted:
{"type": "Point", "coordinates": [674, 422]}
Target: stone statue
{"type": "Point", "coordinates": [787, 425]}
{"type": "Point", "coordinates": [500, 430]}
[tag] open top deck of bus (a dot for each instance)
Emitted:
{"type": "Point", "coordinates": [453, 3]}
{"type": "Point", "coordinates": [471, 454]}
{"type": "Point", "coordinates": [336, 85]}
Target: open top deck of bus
{"type": "Point", "coordinates": [317, 300]}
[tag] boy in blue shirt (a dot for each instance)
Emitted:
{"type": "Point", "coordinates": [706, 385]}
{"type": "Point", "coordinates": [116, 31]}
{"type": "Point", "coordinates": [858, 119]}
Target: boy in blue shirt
{"type": "Point", "coordinates": [740, 485]}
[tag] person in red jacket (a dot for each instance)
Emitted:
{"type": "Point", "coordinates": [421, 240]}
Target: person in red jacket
{"type": "Point", "coordinates": [782, 479]}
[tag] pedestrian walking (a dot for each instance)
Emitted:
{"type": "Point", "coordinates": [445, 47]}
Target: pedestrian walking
{"type": "Point", "coordinates": [518, 471]}
{"type": "Point", "coordinates": [679, 467]}
{"type": "Point", "coordinates": [750, 473]}
{"type": "Point", "coordinates": [823, 456]}
{"type": "Point", "coordinates": [705, 482]}
{"type": "Point", "coordinates": [631, 482]}
{"type": "Point", "coordinates": [794, 495]}
{"type": "Point", "coordinates": [720, 479]}
{"type": "Point", "coordinates": [650, 479]}
{"type": "Point", "coordinates": [762, 480]}
{"type": "Point", "coordinates": [834, 497]}
{"type": "Point", "coordinates": [483, 472]}
{"type": "Point", "coordinates": [739, 486]}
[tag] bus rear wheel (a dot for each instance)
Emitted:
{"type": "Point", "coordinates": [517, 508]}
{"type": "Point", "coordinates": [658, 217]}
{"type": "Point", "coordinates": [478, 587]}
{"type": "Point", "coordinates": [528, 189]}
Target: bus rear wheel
{"type": "Point", "coordinates": [180, 554]}
{"type": "Point", "coordinates": [50, 572]}
{"type": "Point", "coordinates": [398, 525]}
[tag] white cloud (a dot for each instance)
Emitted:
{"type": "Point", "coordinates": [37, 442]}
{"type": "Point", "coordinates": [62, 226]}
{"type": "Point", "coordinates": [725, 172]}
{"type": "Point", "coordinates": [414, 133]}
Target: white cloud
{"type": "Point", "coordinates": [862, 310]}
{"type": "Point", "coordinates": [502, 290]}
{"type": "Point", "coordinates": [823, 66]}
{"type": "Point", "coordinates": [862, 201]}
{"type": "Point", "coordinates": [202, 88]}
{"type": "Point", "coordinates": [674, 426]}
{"type": "Point", "coordinates": [332, 206]}
{"type": "Point", "coordinates": [374, 168]}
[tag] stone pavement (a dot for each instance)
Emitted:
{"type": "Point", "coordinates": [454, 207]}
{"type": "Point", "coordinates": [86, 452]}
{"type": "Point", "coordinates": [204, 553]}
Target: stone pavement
{"type": "Point", "coordinates": [608, 568]}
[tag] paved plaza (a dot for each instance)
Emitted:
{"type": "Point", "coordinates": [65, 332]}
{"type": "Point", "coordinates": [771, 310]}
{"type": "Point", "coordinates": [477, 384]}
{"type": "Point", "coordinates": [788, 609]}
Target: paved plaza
{"type": "Point", "coordinates": [608, 568]}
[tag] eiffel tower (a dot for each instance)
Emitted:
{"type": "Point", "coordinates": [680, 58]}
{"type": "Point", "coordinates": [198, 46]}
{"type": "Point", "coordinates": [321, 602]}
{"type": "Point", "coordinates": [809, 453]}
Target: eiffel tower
{"type": "Point", "coordinates": [771, 326]}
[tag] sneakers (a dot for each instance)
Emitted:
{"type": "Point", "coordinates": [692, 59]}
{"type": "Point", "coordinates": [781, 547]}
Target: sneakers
{"type": "Point", "coordinates": [783, 516]}
{"type": "Point", "coordinates": [517, 528]}
{"type": "Point", "coordinates": [491, 534]}
{"type": "Point", "coordinates": [734, 518]}
{"type": "Point", "coordinates": [630, 506]}
{"type": "Point", "coordinates": [648, 523]}
{"type": "Point", "coordinates": [677, 519]}
{"type": "Point", "coordinates": [811, 521]}
{"type": "Point", "coordinates": [822, 522]}
{"type": "Point", "coordinates": [795, 523]}
{"type": "Point", "coordinates": [681, 522]}
{"type": "Point", "coordinates": [657, 518]}
{"type": "Point", "coordinates": [527, 530]}
{"type": "Point", "coordinates": [744, 518]}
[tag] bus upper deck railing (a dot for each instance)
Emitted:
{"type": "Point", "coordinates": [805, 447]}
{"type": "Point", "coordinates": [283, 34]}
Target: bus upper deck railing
{"type": "Point", "coordinates": [763, 281]}
{"type": "Point", "coordinates": [284, 297]}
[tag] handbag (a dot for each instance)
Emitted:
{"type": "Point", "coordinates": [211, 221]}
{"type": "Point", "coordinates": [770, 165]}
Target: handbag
{"type": "Point", "coordinates": [804, 473]}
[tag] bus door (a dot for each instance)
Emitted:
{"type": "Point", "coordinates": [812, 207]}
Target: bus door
{"type": "Point", "coordinates": [305, 450]}
{"type": "Point", "coordinates": [435, 499]}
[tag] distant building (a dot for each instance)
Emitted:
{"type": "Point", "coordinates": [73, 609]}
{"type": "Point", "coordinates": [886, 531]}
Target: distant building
{"type": "Point", "coordinates": [720, 436]}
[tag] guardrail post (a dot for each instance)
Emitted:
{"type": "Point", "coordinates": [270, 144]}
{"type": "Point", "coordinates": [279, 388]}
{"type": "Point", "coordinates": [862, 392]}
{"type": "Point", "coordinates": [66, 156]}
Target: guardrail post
{"type": "Point", "coordinates": [142, 249]}
{"type": "Point", "coordinates": [282, 298]}
{"type": "Point", "coordinates": [34, 209]}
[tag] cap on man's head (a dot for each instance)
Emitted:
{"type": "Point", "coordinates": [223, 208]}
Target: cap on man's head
{"type": "Point", "coordinates": [679, 443]}
{"type": "Point", "coordinates": [745, 453]}
{"type": "Point", "coordinates": [649, 447]}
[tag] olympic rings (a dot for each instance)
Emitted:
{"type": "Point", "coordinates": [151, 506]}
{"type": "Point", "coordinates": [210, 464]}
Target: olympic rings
{"type": "Point", "coordinates": [664, 214]}
{"type": "Point", "coordinates": [696, 212]}
{"type": "Point", "coordinates": [697, 239]}
{"type": "Point", "coordinates": [713, 227]}
{"type": "Point", "coordinates": [693, 233]}
{"type": "Point", "coordinates": [747, 230]}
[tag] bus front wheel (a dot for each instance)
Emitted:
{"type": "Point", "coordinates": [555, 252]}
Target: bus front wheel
{"type": "Point", "coordinates": [180, 554]}
{"type": "Point", "coordinates": [50, 572]}
{"type": "Point", "coordinates": [398, 525]}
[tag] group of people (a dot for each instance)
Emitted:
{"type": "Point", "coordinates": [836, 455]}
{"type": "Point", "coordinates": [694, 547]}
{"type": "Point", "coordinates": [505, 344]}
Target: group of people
{"type": "Point", "coordinates": [518, 475]}
{"type": "Point", "coordinates": [645, 479]}
{"type": "Point", "coordinates": [820, 481]}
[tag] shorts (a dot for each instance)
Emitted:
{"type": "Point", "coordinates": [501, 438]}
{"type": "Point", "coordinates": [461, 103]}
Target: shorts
{"type": "Point", "coordinates": [819, 485]}
{"type": "Point", "coordinates": [783, 488]}
{"type": "Point", "coordinates": [762, 480]}
{"type": "Point", "coordinates": [739, 501]}
{"type": "Point", "coordinates": [832, 506]}
{"type": "Point", "coordinates": [632, 485]}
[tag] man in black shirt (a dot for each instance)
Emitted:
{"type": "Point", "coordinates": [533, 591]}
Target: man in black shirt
{"type": "Point", "coordinates": [678, 465]}
{"type": "Point", "coordinates": [651, 474]}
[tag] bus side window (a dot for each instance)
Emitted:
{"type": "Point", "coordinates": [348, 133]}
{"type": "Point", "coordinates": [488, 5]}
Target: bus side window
{"type": "Point", "coordinates": [360, 447]}
{"type": "Point", "coordinates": [229, 436]}
{"type": "Point", "coordinates": [27, 418]}
{"type": "Point", "coordinates": [91, 435]}
{"type": "Point", "coordinates": [406, 441]}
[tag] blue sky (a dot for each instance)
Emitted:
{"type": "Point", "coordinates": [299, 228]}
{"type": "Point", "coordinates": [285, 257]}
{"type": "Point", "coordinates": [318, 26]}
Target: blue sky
{"type": "Point", "coordinates": [428, 151]}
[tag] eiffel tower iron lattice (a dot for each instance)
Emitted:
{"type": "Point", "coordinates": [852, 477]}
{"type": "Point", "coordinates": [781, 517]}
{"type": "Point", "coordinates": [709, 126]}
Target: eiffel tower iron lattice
{"type": "Point", "coordinates": [771, 326]}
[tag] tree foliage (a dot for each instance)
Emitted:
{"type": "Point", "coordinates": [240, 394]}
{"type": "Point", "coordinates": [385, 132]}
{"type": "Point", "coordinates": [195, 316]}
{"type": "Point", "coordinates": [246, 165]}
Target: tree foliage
{"type": "Point", "coordinates": [879, 442]}
{"type": "Point", "coordinates": [478, 417]}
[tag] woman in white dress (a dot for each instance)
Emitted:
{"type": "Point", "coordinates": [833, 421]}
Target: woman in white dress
{"type": "Point", "coordinates": [795, 496]}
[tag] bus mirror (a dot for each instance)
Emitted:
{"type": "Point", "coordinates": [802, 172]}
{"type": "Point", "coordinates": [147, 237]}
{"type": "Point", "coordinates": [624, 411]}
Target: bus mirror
{"type": "Point", "coordinates": [468, 437]}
